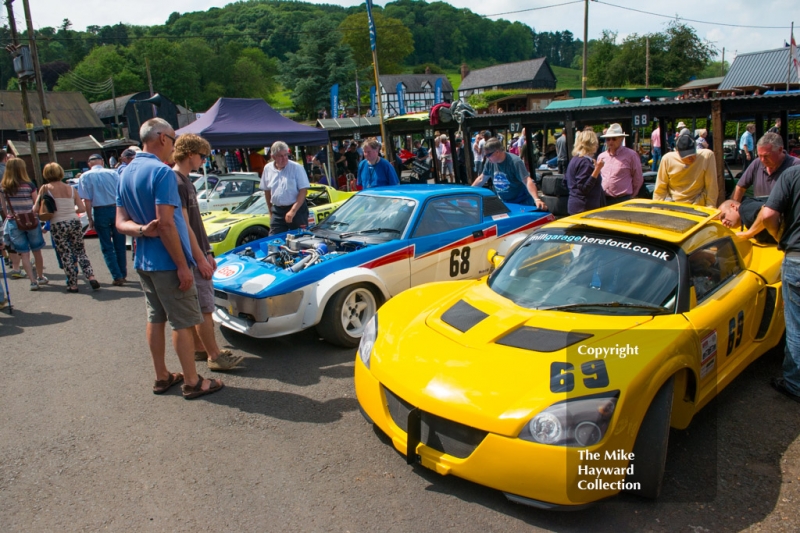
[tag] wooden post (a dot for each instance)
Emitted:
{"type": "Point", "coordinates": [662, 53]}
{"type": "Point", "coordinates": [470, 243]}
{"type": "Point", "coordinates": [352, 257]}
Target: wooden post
{"type": "Point", "coordinates": [26, 110]}
{"type": "Point", "coordinates": [48, 131]}
{"type": "Point", "coordinates": [784, 114]}
{"type": "Point", "coordinates": [717, 127]}
{"type": "Point", "coordinates": [759, 131]}
{"type": "Point", "coordinates": [529, 151]}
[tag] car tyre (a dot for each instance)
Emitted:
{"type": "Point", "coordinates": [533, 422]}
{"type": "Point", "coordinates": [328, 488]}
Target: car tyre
{"type": "Point", "coordinates": [346, 315]}
{"type": "Point", "coordinates": [650, 448]}
{"type": "Point", "coordinates": [252, 234]}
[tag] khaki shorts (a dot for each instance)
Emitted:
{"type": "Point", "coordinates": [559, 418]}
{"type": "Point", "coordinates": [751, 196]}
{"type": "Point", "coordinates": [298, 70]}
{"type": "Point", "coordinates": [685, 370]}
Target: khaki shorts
{"type": "Point", "coordinates": [205, 292]}
{"type": "Point", "coordinates": [165, 301]}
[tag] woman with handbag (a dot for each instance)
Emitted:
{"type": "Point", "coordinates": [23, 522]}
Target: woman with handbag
{"type": "Point", "coordinates": [22, 225]}
{"type": "Point", "coordinates": [65, 225]}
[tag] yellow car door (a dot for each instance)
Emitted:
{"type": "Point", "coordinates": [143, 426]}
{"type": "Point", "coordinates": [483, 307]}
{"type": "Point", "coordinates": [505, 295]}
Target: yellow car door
{"type": "Point", "coordinates": [726, 308]}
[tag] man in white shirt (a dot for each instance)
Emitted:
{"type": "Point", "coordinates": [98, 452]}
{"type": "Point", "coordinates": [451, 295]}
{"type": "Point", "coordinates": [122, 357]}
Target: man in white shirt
{"type": "Point", "coordinates": [285, 184]}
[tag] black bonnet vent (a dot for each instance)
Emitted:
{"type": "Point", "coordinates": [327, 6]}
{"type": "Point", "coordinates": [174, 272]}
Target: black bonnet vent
{"type": "Point", "coordinates": [542, 340]}
{"type": "Point", "coordinates": [463, 316]}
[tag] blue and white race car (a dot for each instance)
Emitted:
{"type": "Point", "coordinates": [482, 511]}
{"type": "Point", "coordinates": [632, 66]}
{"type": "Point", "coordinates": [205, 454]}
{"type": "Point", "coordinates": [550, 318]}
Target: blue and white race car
{"type": "Point", "coordinates": [380, 242]}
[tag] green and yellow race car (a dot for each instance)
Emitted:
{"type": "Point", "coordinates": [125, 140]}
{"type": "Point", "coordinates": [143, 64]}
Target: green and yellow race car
{"type": "Point", "coordinates": [249, 221]}
{"type": "Point", "coordinates": [557, 377]}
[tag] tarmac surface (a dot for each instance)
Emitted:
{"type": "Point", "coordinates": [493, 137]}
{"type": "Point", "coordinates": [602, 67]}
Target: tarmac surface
{"type": "Point", "coordinates": [86, 446]}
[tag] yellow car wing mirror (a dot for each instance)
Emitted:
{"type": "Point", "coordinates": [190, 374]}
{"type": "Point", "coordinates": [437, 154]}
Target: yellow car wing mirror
{"type": "Point", "coordinates": [495, 259]}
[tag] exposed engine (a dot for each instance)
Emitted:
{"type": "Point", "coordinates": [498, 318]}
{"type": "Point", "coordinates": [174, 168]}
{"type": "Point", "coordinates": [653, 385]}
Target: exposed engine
{"type": "Point", "coordinates": [300, 251]}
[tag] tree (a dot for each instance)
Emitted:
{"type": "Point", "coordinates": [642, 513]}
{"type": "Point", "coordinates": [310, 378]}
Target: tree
{"type": "Point", "coordinates": [102, 63]}
{"type": "Point", "coordinates": [394, 42]}
{"type": "Point", "coordinates": [686, 54]}
{"type": "Point", "coordinates": [603, 53]}
{"type": "Point", "coordinates": [321, 61]}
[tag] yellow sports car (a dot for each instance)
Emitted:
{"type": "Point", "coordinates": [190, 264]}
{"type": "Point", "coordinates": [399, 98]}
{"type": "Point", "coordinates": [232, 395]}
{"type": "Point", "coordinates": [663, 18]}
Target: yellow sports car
{"type": "Point", "coordinates": [556, 378]}
{"type": "Point", "coordinates": [249, 221]}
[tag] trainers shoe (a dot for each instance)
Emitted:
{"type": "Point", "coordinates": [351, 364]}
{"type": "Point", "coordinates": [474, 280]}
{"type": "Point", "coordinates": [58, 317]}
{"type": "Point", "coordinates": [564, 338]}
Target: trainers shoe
{"type": "Point", "coordinates": [42, 280]}
{"type": "Point", "coordinates": [200, 355]}
{"type": "Point", "coordinates": [779, 384]}
{"type": "Point", "coordinates": [118, 282]}
{"type": "Point", "coordinates": [225, 361]}
{"type": "Point", "coordinates": [17, 274]}
{"type": "Point", "coordinates": [34, 286]}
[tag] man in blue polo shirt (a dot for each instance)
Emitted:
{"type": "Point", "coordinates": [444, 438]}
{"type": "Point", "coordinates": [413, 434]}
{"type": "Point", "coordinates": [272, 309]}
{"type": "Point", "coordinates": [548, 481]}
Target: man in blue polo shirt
{"type": "Point", "coordinates": [149, 208]}
{"type": "Point", "coordinates": [374, 171]}
{"type": "Point", "coordinates": [98, 188]}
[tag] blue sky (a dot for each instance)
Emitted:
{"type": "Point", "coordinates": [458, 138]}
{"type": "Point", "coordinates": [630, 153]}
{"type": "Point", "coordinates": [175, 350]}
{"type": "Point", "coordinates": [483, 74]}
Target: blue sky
{"type": "Point", "coordinates": [615, 15]}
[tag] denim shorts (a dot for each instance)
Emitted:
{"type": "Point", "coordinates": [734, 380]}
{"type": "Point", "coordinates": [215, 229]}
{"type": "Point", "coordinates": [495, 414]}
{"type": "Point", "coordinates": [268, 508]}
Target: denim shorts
{"type": "Point", "coordinates": [24, 241]}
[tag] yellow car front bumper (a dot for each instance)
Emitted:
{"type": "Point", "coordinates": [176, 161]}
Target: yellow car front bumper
{"type": "Point", "coordinates": [543, 476]}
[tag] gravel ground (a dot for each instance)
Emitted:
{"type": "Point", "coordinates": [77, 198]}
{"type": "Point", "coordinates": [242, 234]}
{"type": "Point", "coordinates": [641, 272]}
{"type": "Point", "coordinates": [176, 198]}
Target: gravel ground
{"type": "Point", "coordinates": [85, 445]}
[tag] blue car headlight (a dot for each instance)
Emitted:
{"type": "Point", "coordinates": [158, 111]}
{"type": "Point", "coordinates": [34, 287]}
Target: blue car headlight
{"type": "Point", "coordinates": [219, 236]}
{"type": "Point", "coordinates": [577, 422]}
{"type": "Point", "coordinates": [368, 340]}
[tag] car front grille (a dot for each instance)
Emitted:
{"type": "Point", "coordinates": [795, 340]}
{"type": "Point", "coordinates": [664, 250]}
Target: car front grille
{"type": "Point", "coordinates": [438, 433]}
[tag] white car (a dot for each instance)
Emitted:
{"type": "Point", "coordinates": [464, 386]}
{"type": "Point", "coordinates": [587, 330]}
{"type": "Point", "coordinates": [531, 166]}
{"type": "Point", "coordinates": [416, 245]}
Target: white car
{"type": "Point", "coordinates": [229, 191]}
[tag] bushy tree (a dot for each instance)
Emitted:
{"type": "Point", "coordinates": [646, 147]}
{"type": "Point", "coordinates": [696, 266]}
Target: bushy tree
{"type": "Point", "coordinates": [394, 41]}
{"type": "Point", "coordinates": [321, 61]}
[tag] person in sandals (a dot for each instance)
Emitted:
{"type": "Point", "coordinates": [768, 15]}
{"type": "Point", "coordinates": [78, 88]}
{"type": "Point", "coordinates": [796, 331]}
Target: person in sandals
{"type": "Point", "coordinates": [191, 151]}
{"type": "Point", "coordinates": [149, 208]}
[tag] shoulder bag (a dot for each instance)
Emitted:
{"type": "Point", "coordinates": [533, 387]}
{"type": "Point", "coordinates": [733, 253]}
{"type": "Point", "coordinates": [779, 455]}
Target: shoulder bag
{"type": "Point", "coordinates": [46, 205]}
{"type": "Point", "coordinates": [25, 221]}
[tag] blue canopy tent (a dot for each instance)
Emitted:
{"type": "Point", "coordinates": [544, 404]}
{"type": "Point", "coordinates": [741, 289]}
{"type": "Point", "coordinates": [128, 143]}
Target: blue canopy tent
{"type": "Point", "coordinates": [249, 122]}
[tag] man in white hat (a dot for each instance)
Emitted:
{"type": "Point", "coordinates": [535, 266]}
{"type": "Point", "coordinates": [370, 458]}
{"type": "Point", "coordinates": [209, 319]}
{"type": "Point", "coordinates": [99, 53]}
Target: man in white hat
{"type": "Point", "coordinates": [622, 168]}
{"type": "Point", "coordinates": [687, 175]}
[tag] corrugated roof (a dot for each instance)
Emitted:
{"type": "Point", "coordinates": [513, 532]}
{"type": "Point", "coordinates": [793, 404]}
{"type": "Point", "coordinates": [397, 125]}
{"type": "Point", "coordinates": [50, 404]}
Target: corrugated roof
{"type": "Point", "coordinates": [414, 82]}
{"type": "Point", "coordinates": [508, 73]}
{"type": "Point", "coordinates": [701, 84]}
{"type": "Point", "coordinates": [333, 124]}
{"type": "Point", "coordinates": [69, 145]}
{"type": "Point", "coordinates": [105, 108]}
{"type": "Point", "coordinates": [67, 110]}
{"type": "Point", "coordinates": [759, 69]}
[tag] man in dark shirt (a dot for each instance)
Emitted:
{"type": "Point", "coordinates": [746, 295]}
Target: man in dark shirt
{"type": "Point", "coordinates": [764, 172]}
{"type": "Point", "coordinates": [744, 214]}
{"type": "Point", "coordinates": [461, 163]}
{"type": "Point", "coordinates": [352, 157]}
{"type": "Point", "coordinates": [784, 202]}
{"type": "Point", "coordinates": [191, 151]}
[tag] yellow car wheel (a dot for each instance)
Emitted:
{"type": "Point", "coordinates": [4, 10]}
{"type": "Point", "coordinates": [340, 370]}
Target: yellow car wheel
{"type": "Point", "coordinates": [650, 449]}
{"type": "Point", "coordinates": [252, 234]}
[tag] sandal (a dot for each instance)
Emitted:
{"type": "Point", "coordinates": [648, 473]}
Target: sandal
{"type": "Point", "coordinates": [163, 385]}
{"type": "Point", "coordinates": [72, 289]}
{"type": "Point", "coordinates": [196, 391]}
{"type": "Point", "coordinates": [94, 284]}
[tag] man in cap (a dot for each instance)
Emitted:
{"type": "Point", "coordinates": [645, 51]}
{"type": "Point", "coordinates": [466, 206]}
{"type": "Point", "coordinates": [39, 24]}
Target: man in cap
{"type": "Point", "coordinates": [98, 188]}
{"type": "Point", "coordinates": [125, 158]}
{"type": "Point", "coordinates": [764, 172]}
{"type": "Point", "coordinates": [622, 168]}
{"type": "Point", "coordinates": [687, 175]}
{"type": "Point", "coordinates": [510, 178]}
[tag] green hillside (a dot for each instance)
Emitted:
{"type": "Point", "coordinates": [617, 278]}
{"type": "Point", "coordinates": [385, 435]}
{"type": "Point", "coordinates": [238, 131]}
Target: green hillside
{"type": "Point", "coordinates": [568, 78]}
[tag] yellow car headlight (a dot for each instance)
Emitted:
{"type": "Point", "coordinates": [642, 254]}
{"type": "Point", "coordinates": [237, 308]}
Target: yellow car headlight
{"type": "Point", "coordinates": [368, 340]}
{"type": "Point", "coordinates": [219, 236]}
{"type": "Point", "coordinates": [577, 422]}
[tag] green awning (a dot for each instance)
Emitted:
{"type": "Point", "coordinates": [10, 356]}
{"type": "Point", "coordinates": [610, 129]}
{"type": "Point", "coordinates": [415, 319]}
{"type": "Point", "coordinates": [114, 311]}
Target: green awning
{"type": "Point", "coordinates": [579, 102]}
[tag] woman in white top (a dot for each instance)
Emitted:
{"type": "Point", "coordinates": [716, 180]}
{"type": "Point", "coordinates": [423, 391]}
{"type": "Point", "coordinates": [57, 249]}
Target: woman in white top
{"type": "Point", "coordinates": [66, 226]}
